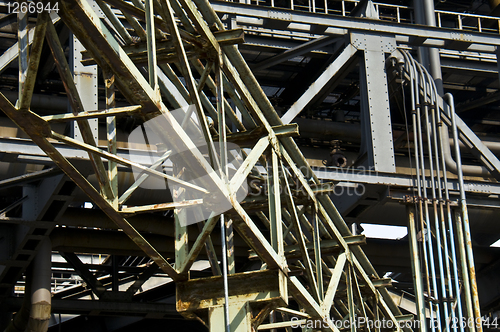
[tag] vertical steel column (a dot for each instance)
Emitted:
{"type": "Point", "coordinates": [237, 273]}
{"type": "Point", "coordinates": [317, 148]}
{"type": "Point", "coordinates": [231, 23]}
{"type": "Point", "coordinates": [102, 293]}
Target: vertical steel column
{"type": "Point", "coordinates": [109, 81]}
{"type": "Point", "coordinates": [350, 295]}
{"type": "Point", "coordinates": [317, 251]}
{"type": "Point", "coordinates": [498, 61]}
{"type": "Point", "coordinates": [151, 40]}
{"type": "Point", "coordinates": [224, 276]}
{"type": "Point", "coordinates": [224, 173]}
{"type": "Point", "coordinates": [434, 58]}
{"type": "Point", "coordinates": [22, 35]}
{"type": "Point", "coordinates": [376, 112]}
{"type": "Point", "coordinates": [274, 197]}
{"type": "Point", "coordinates": [423, 52]}
{"type": "Point", "coordinates": [181, 241]}
{"type": "Point", "coordinates": [85, 78]}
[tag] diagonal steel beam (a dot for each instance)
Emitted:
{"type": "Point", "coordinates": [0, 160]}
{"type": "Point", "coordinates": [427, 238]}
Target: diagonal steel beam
{"type": "Point", "coordinates": [188, 77]}
{"type": "Point", "coordinates": [321, 82]}
{"type": "Point", "coordinates": [142, 177]}
{"type": "Point", "coordinates": [241, 174]}
{"type": "Point", "coordinates": [117, 111]}
{"type": "Point", "coordinates": [198, 244]}
{"type": "Point", "coordinates": [296, 51]}
{"type": "Point", "coordinates": [143, 277]}
{"type": "Point", "coordinates": [333, 284]}
{"type": "Point", "coordinates": [91, 149]}
{"type": "Point", "coordinates": [301, 241]}
{"type": "Point", "coordinates": [474, 143]}
{"type": "Point", "coordinates": [38, 130]}
{"type": "Point", "coordinates": [136, 88]}
{"type": "Point", "coordinates": [34, 61]}
{"type": "Point", "coordinates": [135, 12]}
{"type": "Point", "coordinates": [80, 268]}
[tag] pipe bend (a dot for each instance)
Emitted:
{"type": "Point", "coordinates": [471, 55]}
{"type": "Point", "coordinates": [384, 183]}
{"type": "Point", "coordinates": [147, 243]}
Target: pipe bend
{"type": "Point", "coordinates": [451, 164]}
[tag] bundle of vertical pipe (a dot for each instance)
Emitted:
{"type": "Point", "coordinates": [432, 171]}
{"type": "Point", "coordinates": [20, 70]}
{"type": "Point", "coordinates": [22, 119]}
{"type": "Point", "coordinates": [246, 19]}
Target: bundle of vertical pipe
{"type": "Point", "coordinates": [442, 261]}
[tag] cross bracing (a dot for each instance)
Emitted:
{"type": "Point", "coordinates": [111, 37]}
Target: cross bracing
{"type": "Point", "coordinates": [152, 59]}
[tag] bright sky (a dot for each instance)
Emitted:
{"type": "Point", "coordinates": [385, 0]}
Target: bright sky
{"type": "Point", "coordinates": [384, 231]}
{"type": "Point", "coordinates": [496, 244]}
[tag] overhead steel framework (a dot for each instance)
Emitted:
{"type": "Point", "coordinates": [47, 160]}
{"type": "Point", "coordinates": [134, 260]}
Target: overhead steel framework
{"type": "Point", "coordinates": [208, 165]}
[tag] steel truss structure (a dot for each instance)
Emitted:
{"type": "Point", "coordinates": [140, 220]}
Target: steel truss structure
{"type": "Point", "coordinates": [210, 139]}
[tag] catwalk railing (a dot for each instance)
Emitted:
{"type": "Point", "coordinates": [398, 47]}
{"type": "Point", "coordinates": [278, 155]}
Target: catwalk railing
{"type": "Point", "coordinates": [387, 12]}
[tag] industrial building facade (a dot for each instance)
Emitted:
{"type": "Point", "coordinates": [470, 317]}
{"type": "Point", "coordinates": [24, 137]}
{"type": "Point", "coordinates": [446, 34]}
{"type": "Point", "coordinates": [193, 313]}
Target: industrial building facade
{"type": "Point", "coordinates": [252, 165]}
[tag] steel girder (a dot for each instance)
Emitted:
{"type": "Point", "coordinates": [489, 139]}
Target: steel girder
{"type": "Point", "coordinates": [293, 215]}
{"type": "Point", "coordinates": [405, 33]}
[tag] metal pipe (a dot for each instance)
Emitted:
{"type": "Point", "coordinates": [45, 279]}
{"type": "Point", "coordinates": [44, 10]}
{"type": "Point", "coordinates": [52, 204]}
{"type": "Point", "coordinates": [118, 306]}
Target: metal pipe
{"type": "Point", "coordinates": [329, 130]}
{"type": "Point", "coordinates": [451, 237]}
{"type": "Point", "coordinates": [429, 101]}
{"type": "Point", "coordinates": [415, 115]}
{"type": "Point", "coordinates": [423, 54]}
{"type": "Point", "coordinates": [447, 293]}
{"type": "Point", "coordinates": [463, 204]}
{"type": "Point", "coordinates": [463, 261]}
{"type": "Point", "coordinates": [428, 234]}
{"type": "Point", "coordinates": [460, 236]}
{"type": "Point", "coordinates": [450, 224]}
{"type": "Point", "coordinates": [41, 296]}
{"type": "Point", "coordinates": [224, 273]}
{"type": "Point", "coordinates": [432, 150]}
{"type": "Point", "coordinates": [21, 318]}
{"type": "Point", "coordinates": [416, 104]}
{"type": "Point", "coordinates": [451, 164]}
